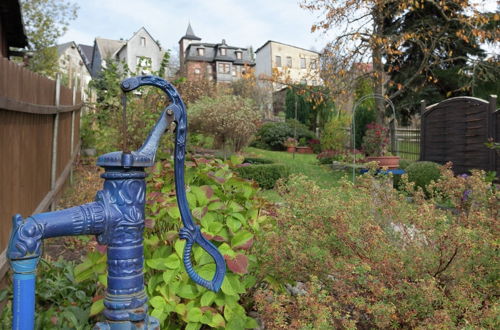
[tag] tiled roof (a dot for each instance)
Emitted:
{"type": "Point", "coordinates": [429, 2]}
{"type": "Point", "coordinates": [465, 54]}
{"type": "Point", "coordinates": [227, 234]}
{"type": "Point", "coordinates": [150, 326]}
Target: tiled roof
{"type": "Point", "coordinates": [211, 53]}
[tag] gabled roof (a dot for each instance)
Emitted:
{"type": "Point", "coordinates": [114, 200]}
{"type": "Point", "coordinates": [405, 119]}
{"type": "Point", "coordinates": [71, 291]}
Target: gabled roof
{"type": "Point", "coordinates": [12, 23]}
{"type": "Point", "coordinates": [281, 43]}
{"type": "Point", "coordinates": [108, 47]}
{"type": "Point", "coordinates": [86, 52]}
{"type": "Point", "coordinates": [62, 47]}
{"type": "Point", "coordinates": [149, 34]}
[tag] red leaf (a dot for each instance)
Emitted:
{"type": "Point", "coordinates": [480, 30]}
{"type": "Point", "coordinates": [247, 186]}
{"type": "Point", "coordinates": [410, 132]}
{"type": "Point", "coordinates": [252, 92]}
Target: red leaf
{"type": "Point", "coordinates": [247, 245]}
{"type": "Point", "coordinates": [209, 192]}
{"type": "Point", "coordinates": [238, 264]}
{"type": "Point", "coordinates": [101, 248]}
{"type": "Point", "coordinates": [216, 238]}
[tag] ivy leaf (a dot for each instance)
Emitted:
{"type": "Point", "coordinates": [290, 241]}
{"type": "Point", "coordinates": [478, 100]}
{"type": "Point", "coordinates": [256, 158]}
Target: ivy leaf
{"type": "Point", "coordinates": [217, 321]}
{"type": "Point", "coordinates": [194, 314]}
{"type": "Point", "coordinates": [241, 238]}
{"type": "Point", "coordinates": [174, 212]}
{"type": "Point", "coordinates": [215, 206]}
{"type": "Point", "coordinates": [179, 247]}
{"type": "Point", "coordinates": [172, 262]}
{"type": "Point", "coordinates": [207, 298]}
{"type": "Point", "coordinates": [200, 194]}
{"type": "Point", "coordinates": [233, 224]}
{"type": "Point", "coordinates": [97, 307]}
{"type": "Point", "coordinates": [238, 264]}
{"type": "Point", "coordinates": [188, 291]}
{"type": "Point", "coordinates": [158, 302]}
{"type": "Point", "coordinates": [193, 326]}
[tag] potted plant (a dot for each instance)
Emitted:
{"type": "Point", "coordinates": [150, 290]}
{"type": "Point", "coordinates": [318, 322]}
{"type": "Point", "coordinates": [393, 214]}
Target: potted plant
{"type": "Point", "coordinates": [375, 143]}
{"type": "Point", "coordinates": [303, 148]}
{"type": "Point", "coordinates": [290, 144]}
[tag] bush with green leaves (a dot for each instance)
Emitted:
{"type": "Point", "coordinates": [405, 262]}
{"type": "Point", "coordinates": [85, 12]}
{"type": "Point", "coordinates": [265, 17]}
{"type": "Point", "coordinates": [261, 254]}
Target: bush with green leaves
{"type": "Point", "coordinates": [423, 173]}
{"type": "Point", "coordinates": [273, 135]}
{"type": "Point", "coordinates": [363, 116]}
{"type": "Point", "coordinates": [62, 301]}
{"type": "Point", "coordinates": [335, 135]}
{"type": "Point", "coordinates": [230, 120]}
{"type": "Point", "coordinates": [228, 211]}
{"type": "Point", "coordinates": [265, 175]}
{"type": "Point", "coordinates": [254, 160]}
{"type": "Point", "coordinates": [366, 257]}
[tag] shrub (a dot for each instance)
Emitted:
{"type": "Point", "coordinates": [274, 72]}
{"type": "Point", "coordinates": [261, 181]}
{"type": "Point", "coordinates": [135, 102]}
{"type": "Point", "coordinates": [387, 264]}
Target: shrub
{"type": "Point", "coordinates": [335, 136]}
{"type": "Point", "coordinates": [265, 175]}
{"type": "Point", "coordinates": [404, 163]}
{"type": "Point", "coordinates": [315, 145]}
{"type": "Point", "coordinates": [422, 173]}
{"type": "Point", "coordinates": [273, 135]}
{"type": "Point", "coordinates": [376, 140]}
{"type": "Point", "coordinates": [228, 212]}
{"type": "Point", "coordinates": [363, 116]}
{"type": "Point", "coordinates": [229, 119]}
{"type": "Point", "coordinates": [369, 259]}
{"type": "Point", "coordinates": [61, 301]}
{"type": "Point", "coordinates": [253, 160]}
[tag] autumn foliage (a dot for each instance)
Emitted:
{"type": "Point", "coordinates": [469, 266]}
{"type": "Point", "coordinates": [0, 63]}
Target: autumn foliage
{"type": "Point", "coordinates": [370, 257]}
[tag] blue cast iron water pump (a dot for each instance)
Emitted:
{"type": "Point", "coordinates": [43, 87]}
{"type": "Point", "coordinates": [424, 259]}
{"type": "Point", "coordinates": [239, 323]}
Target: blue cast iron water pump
{"type": "Point", "coordinates": [116, 217]}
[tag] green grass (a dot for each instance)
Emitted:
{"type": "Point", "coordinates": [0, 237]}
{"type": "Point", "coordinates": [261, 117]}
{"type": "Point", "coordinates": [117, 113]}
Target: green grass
{"type": "Point", "coordinates": [305, 164]}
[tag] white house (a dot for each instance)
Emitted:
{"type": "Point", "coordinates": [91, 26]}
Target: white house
{"type": "Point", "coordinates": [291, 64]}
{"type": "Point", "coordinates": [73, 65]}
{"type": "Point", "coordinates": [140, 50]}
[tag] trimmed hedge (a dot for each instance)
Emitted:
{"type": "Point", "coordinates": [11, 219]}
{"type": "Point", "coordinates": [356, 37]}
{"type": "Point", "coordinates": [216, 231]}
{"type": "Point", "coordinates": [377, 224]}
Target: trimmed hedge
{"type": "Point", "coordinates": [422, 173]}
{"type": "Point", "coordinates": [254, 160]}
{"type": "Point", "coordinates": [273, 135]}
{"type": "Point", "coordinates": [265, 175]}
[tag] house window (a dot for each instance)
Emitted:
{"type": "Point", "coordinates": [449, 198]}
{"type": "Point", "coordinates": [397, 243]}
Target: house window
{"type": "Point", "coordinates": [303, 82]}
{"type": "Point", "coordinates": [303, 63]}
{"type": "Point", "coordinates": [201, 51]}
{"type": "Point", "coordinates": [233, 71]}
{"type": "Point", "coordinates": [278, 61]}
{"type": "Point", "coordinates": [289, 61]}
{"type": "Point", "coordinates": [224, 68]}
{"type": "Point", "coordinates": [223, 51]}
{"type": "Point", "coordinates": [313, 64]}
{"type": "Point", "coordinates": [314, 82]}
{"type": "Point", "coordinates": [143, 42]}
{"type": "Point", "coordinates": [209, 68]}
{"type": "Point", "coordinates": [197, 71]}
{"type": "Point", "coordinates": [143, 61]}
{"type": "Point", "coordinates": [238, 55]}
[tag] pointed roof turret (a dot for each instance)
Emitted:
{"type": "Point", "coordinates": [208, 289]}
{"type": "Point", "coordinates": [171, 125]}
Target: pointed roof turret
{"type": "Point", "coordinates": [190, 33]}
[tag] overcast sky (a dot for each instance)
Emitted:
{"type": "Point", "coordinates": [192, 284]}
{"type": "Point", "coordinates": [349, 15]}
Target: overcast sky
{"type": "Point", "coordinates": [241, 22]}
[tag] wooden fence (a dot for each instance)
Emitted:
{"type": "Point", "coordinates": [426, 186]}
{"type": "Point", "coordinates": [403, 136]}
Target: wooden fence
{"type": "Point", "coordinates": [39, 139]}
{"type": "Point", "coordinates": [457, 129]}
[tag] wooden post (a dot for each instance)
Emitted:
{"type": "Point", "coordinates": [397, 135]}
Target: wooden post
{"type": "Point", "coordinates": [55, 133]}
{"type": "Point", "coordinates": [422, 130]}
{"type": "Point", "coordinates": [72, 133]}
{"type": "Point", "coordinates": [491, 121]}
{"type": "Point", "coordinates": [392, 127]}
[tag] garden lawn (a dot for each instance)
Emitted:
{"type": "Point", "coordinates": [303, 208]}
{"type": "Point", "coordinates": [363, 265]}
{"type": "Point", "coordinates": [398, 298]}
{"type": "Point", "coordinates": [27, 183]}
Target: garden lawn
{"type": "Point", "coordinates": [305, 164]}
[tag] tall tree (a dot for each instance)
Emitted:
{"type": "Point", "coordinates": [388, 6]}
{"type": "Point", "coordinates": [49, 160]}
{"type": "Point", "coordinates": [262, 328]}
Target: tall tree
{"type": "Point", "coordinates": [451, 70]}
{"type": "Point", "coordinates": [45, 21]}
{"type": "Point", "coordinates": [358, 28]}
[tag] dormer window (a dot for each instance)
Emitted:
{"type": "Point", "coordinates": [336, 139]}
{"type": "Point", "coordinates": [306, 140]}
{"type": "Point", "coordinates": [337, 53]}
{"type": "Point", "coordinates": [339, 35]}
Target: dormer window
{"type": "Point", "coordinates": [239, 54]}
{"type": "Point", "coordinates": [201, 51]}
{"type": "Point", "coordinates": [223, 51]}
